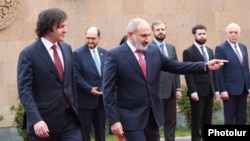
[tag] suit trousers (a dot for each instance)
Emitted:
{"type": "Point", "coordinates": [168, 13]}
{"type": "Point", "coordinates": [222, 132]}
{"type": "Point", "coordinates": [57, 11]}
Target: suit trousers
{"type": "Point", "coordinates": [169, 107]}
{"type": "Point", "coordinates": [95, 117]}
{"type": "Point", "coordinates": [201, 114]}
{"type": "Point", "coordinates": [70, 132]}
{"type": "Point", "coordinates": [151, 132]}
{"type": "Point", "coordinates": [235, 110]}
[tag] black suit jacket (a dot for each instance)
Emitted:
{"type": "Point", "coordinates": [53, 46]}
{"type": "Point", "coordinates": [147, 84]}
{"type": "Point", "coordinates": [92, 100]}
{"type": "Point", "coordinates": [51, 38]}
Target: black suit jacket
{"type": "Point", "coordinates": [128, 94]}
{"type": "Point", "coordinates": [41, 91]}
{"type": "Point", "coordinates": [200, 83]}
{"type": "Point", "coordinates": [87, 76]}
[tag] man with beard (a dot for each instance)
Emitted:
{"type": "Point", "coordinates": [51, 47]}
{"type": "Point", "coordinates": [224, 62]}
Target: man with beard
{"type": "Point", "coordinates": [131, 78]}
{"type": "Point", "coordinates": [169, 82]}
{"type": "Point", "coordinates": [89, 60]}
{"type": "Point", "coordinates": [202, 88]}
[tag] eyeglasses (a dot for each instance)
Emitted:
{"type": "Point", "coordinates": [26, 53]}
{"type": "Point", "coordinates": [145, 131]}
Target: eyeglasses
{"type": "Point", "coordinates": [91, 38]}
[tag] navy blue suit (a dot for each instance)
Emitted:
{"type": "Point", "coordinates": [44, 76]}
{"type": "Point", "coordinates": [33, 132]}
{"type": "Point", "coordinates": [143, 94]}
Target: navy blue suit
{"type": "Point", "coordinates": [43, 93]}
{"type": "Point", "coordinates": [91, 109]}
{"type": "Point", "coordinates": [234, 78]}
{"type": "Point", "coordinates": [128, 96]}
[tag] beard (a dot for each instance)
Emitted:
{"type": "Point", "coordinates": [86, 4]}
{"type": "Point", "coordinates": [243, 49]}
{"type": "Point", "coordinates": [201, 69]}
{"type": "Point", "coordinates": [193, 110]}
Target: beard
{"type": "Point", "coordinates": [201, 41]}
{"type": "Point", "coordinates": [160, 37]}
{"type": "Point", "coordinates": [138, 45]}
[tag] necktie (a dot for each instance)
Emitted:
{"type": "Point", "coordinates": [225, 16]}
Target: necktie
{"type": "Point", "coordinates": [57, 62]}
{"type": "Point", "coordinates": [238, 53]}
{"type": "Point", "coordinates": [142, 62]}
{"type": "Point", "coordinates": [204, 54]}
{"type": "Point", "coordinates": [97, 63]}
{"type": "Point", "coordinates": [163, 50]}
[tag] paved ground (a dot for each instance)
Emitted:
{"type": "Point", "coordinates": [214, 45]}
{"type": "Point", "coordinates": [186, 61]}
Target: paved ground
{"type": "Point", "coordinates": [181, 139]}
{"type": "Point", "coordinates": [11, 134]}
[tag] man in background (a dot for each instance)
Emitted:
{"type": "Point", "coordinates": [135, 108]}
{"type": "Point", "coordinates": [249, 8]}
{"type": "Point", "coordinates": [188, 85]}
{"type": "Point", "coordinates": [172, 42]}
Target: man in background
{"type": "Point", "coordinates": [89, 60]}
{"type": "Point", "coordinates": [169, 83]}
{"type": "Point", "coordinates": [233, 78]}
{"type": "Point", "coordinates": [202, 88]}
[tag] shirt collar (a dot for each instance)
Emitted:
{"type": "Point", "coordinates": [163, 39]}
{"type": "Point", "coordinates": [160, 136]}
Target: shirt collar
{"type": "Point", "coordinates": [158, 43]}
{"type": "Point", "coordinates": [47, 43]}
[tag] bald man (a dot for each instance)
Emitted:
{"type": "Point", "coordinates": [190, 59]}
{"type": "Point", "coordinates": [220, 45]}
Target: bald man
{"type": "Point", "coordinates": [88, 72]}
{"type": "Point", "coordinates": [233, 78]}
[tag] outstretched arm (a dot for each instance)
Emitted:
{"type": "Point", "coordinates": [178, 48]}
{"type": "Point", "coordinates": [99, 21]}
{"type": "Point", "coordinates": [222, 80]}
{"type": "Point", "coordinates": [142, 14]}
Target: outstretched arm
{"type": "Point", "coordinates": [215, 64]}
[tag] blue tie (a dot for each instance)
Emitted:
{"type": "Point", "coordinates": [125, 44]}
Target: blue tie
{"type": "Point", "coordinates": [163, 50]}
{"type": "Point", "coordinates": [204, 54]}
{"type": "Point", "coordinates": [97, 63]}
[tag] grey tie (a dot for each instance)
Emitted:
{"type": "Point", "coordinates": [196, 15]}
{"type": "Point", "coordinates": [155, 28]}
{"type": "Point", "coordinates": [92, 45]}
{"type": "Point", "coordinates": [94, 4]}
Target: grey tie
{"type": "Point", "coordinates": [238, 53]}
{"type": "Point", "coordinates": [204, 54]}
{"type": "Point", "coordinates": [163, 50]}
{"type": "Point", "coordinates": [97, 63]}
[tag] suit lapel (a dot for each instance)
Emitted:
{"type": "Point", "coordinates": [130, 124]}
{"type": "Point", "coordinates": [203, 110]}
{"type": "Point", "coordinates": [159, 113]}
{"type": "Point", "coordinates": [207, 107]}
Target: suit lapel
{"type": "Point", "coordinates": [101, 55]}
{"type": "Point", "coordinates": [129, 55]}
{"type": "Point", "coordinates": [88, 57]}
{"type": "Point", "coordinates": [243, 52]}
{"type": "Point", "coordinates": [65, 60]}
{"type": "Point", "coordinates": [197, 52]}
{"type": "Point", "coordinates": [43, 53]}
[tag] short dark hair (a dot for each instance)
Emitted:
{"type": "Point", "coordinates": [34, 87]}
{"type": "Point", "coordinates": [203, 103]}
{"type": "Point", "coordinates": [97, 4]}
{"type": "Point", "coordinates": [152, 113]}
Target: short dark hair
{"type": "Point", "coordinates": [124, 39]}
{"type": "Point", "coordinates": [157, 23]}
{"type": "Point", "coordinates": [47, 19]}
{"type": "Point", "coordinates": [199, 26]}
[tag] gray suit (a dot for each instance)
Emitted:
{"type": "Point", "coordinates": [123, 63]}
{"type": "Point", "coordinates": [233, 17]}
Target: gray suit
{"type": "Point", "coordinates": [169, 82]}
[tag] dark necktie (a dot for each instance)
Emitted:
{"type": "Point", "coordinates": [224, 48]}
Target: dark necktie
{"type": "Point", "coordinates": [97, 62]}
{"type": "Point", "coordinates": [59, 68]}
{"type": "Point", "coordinates": [238, 53]}
{"type": "Point", "coordinates": [57, 62]}
{"type": "Point", "coordinates": [204, 54]}
{"type": "Point", "coordinates": [142, 63]}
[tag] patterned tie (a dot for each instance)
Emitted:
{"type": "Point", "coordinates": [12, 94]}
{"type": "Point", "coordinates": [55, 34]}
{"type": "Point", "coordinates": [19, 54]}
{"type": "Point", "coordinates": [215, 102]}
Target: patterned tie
{"type": "Point", "coordinates": [57, 61]}
{"type": "Point", "coordinates": [142, 62]}
{"type": "Point", "coordinates": [204, 54]}
{"type": "Point", "coordinates": [238, 53]}
{"type": "Point", "coordinates": [97, 62]}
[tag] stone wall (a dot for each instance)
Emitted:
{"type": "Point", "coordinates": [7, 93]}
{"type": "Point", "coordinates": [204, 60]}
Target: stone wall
{"type": "Point", "coordinates": [111, 16]}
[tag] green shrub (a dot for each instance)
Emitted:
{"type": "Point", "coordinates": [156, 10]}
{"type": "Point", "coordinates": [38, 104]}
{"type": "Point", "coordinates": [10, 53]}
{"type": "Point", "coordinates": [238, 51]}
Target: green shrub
{"type": "Point", "coordinates": [18, 112]}
{"type": "Point", "coordinates": [1, 118]}
{"type": "Point", "coordinates": [185, 107]}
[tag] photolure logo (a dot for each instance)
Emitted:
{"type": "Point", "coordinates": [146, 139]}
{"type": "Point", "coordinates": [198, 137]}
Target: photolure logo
{"type": "Point", "coordinates": [8, 10]}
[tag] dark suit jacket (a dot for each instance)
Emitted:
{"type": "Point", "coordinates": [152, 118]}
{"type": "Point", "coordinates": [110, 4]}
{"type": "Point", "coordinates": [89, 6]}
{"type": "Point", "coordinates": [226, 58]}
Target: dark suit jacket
{"type": "Point", "coordinates": [41, 91]}
{"type": "Point", "coordinates": [127, 93]}
{"type": "Point", "coordinates": [233, 77]}
{"type": "Point", "coordinates": [169, 82]}
{"type": "Point", "coordinates": [200, 83]}
{"type": "Point", "coordinates": [87, 76]}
